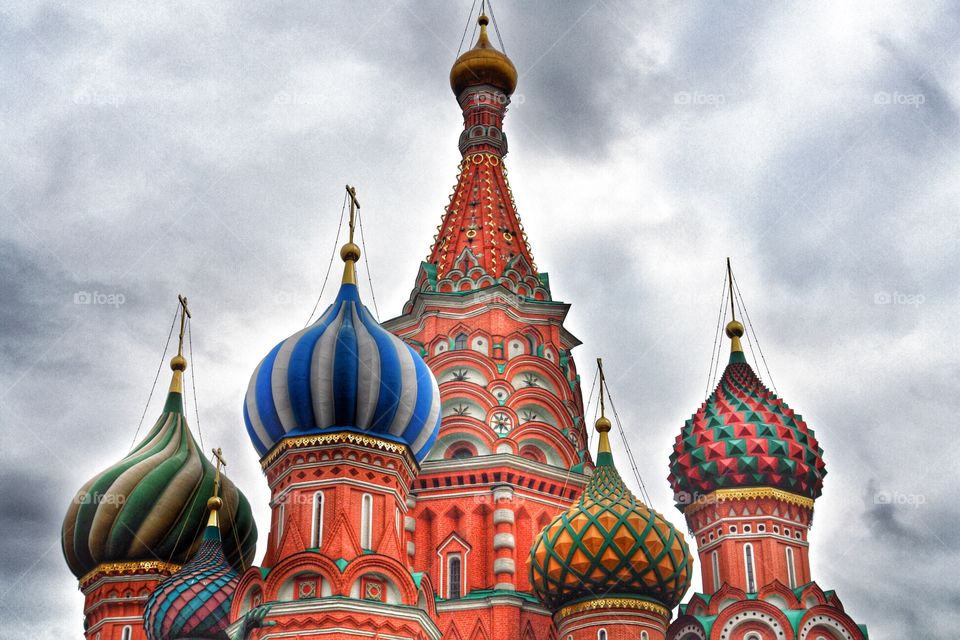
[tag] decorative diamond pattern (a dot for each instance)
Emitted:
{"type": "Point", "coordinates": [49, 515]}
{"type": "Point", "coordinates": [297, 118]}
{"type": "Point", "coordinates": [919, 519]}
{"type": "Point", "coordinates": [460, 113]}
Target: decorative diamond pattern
{"type": "Point", "coordinates": [745, 436]}
{"type": "Point", "coordinates": [609, 543]}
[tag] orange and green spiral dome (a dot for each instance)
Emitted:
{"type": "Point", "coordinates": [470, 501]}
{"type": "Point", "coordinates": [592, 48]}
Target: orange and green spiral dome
{"type": "Point", "coordinates": [744, 436]}
{"type": "Point", "coordinates": [609, 544]}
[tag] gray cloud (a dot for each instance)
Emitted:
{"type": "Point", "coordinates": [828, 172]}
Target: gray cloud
{"type": "Point", "coordinates": [150, 151]}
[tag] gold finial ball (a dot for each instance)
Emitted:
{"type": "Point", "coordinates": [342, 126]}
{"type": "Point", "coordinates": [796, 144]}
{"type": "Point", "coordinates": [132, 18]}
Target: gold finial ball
{"type": "Point", "coordinates": [734, 329]}
{"type": "Point", "coordinates": [214, 503]}
{"type": "Point", "coordinates": [178, 363]}
{"type": "Point", "coordinates": [350, 251]}
{"type": "Point", "coordinates": [483, 20]}
{"type": "Point", "coordinates": [603, 424]}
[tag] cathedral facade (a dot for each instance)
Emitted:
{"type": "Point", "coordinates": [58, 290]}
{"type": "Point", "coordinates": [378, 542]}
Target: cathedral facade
{"type": "Point", "coordinates": [430, 476]}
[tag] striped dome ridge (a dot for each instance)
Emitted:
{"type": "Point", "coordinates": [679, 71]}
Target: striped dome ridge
{"type": "Point", "coordinates": [152, 504]}
{"type": "Point", "coordinates": [609, 544]}
{"type": "Point", "coordinates": [195, 601]}
{"type": "Point", "coordinates": [743, 435]}
{"type": "Point", "coordinates": [343, 373]}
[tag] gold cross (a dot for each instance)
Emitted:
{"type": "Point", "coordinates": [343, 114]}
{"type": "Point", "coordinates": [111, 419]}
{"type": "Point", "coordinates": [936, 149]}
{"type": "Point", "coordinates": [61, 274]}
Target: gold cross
{"type": "Point", "coordinates": [733, 311]}
{"type": "Point", "coordinates": [184, 314]}
{"type": "Point", "coordinates": [603, 383]}
{"type": "Point", "coordinates": [354, 206]}
{"type": "Point", "coordinates": [218, 456]}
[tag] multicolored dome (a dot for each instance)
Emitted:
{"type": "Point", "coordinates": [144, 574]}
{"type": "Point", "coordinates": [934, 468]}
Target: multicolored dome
{"type": "Point", "coordinates": [343, 373]}
{"type": "Point", "coordinates": [609, 544]}
{"type": "Point", "coordinates": [744, 436]}
{"type": "Point", "coordinates": [195, 601]}
{"type": "Point", "coordinates": [152, 504]}
{"type": "Point", "coordinates": [483, 65]}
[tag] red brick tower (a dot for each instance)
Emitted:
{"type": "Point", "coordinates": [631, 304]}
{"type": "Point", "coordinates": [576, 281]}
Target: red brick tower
{"type": "Point", "coordinates": [745, 472]}
{"type": "Point", "coordinates": [134, 524]}
{"type": "Point", "coordinates": [512, 449]}
{"type": "Point", "coordinates": [342, 413]}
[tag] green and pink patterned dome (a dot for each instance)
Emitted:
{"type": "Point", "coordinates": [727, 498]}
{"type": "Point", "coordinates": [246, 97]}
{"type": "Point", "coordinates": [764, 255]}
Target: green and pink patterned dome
{"type": "Point", "coordinates": [744, 436]}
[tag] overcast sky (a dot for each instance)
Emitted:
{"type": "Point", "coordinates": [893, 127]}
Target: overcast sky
{"type": "Point", "coordinates": [202, 148]}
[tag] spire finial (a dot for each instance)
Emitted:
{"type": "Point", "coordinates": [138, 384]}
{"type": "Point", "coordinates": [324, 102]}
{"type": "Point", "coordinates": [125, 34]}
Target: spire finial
{"type": "Point", "coordinates": [734, 328]}
{"type": "Point", "coordinates": [215, 502]}
{"type": "Point", "coordinates": [178, 363]}
{"type": "Point", "coordinates": [603, 424]}
{"type": "Point", "coordinates": [350, 252]}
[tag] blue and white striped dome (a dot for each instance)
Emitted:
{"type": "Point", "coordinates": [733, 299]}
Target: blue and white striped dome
{"type": "Point", "coordinates": [343, 373]}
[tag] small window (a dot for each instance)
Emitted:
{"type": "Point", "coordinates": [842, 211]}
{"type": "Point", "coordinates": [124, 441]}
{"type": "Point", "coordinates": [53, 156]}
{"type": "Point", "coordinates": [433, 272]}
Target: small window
{"type": "Point", "coordinates": [317, 537]}
{"type": "Point", "coordinates": [761, 528]}
{"type": "Point", "coordinates": [748, 564]}
{"type": "Point", "coordinates": [460, 342]}
{"type": "Point", "coordinates": [366, 521]}
{"type": "Point", "coordinates": [462, 453]}
{"type": "Point", "coordinates": [715, 564]}
{"type": "Point", "coordinates": [127, 633]}
{"type": "Point", "coordinates": [733, 529]}
{"type": "Point", "coordinates": [776, 529]}
{"type": "Point", "coordinates": [791, 569]}
{"type": "Point", "coordinates": [281, 513]}
{"type": "Point", "coordinates": [644, 635]}
{"type": "Point", "coordinates": [786, 532]}
{"type": "Point", "coordinates": [602, 634]}
{"type": "Point", "coordinates": [711, 536]}
{"type": "Point", "coordinates": [747, 528]}
{"type": "Point", "coordinates": [454, 576]}
{"type": "Point", "coordinates": [798, 535]}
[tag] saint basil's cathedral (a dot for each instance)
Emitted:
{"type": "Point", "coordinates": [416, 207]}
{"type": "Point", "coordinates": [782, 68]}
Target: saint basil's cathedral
{"type": "Point", "coordinates": [431, 477]}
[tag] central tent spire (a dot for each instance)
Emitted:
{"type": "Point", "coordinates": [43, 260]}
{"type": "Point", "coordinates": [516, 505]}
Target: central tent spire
{"type": "Point", "coordinates": [481, 227]}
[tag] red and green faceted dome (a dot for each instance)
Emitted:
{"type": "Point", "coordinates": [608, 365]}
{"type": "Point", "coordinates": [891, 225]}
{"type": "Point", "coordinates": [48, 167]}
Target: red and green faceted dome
{"type": "Point", "coordinates": [745, 436]}
{"type": "Point", "coordinates": [609, 544]}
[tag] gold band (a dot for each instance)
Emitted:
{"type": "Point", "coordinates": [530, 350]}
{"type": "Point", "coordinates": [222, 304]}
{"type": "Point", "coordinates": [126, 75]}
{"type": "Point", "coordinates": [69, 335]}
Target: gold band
{"type": "Point", "coordinates": [614, 603]}
{"type": "Point", "coordinates": [340, 437]}
{"type": "Point", "coordinates": [129, 568]}
{"type": "Point", "coordinates": [723, 495]}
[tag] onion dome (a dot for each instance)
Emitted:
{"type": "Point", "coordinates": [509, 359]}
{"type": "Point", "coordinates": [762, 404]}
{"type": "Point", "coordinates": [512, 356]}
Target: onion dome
{"type": "Point", "coordinates": [744, 436]}
{"type": "Point", "coordinates": [151, 504]}
{"type": "Point", "coordinates": [483, 65]}
{"type": "Point", "coordinates": [609, 545]}
{"type": "Point", "coordinates": [344, 373]}
{"type": "Point", "coordinates": [195, 601]}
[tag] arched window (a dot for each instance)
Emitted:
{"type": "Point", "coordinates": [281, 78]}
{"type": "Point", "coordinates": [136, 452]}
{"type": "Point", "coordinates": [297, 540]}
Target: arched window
{"type": "Point", "coordinates": [602, 634]}
{"type": "Point", "coordinates": [127, 633]}
{"type": "Point", "coordinates": [317, 536]}
{"type": "Point", "coordinates": [460, 342]}
{"type": "Point", "coordinates": [644, 635]}
{"type": "Point", "coordinates": [791, 569]}
{"type": "Point", "coordinates": [462, 453]}
{"type": "Point", "coordinates": [748, 564]}
{"type": "Point", "coordinates": [715, 564]}
{"type": "Point", "coordinates": [532, 343]}
{"type": "Point", "coordinates": [454, 576]}
{"type": "Point", "coordinates": [366, 521]}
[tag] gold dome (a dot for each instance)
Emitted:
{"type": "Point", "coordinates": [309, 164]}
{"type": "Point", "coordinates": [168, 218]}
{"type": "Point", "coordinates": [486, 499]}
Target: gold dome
{"type": "Point", "coordinates": [483, 65]}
